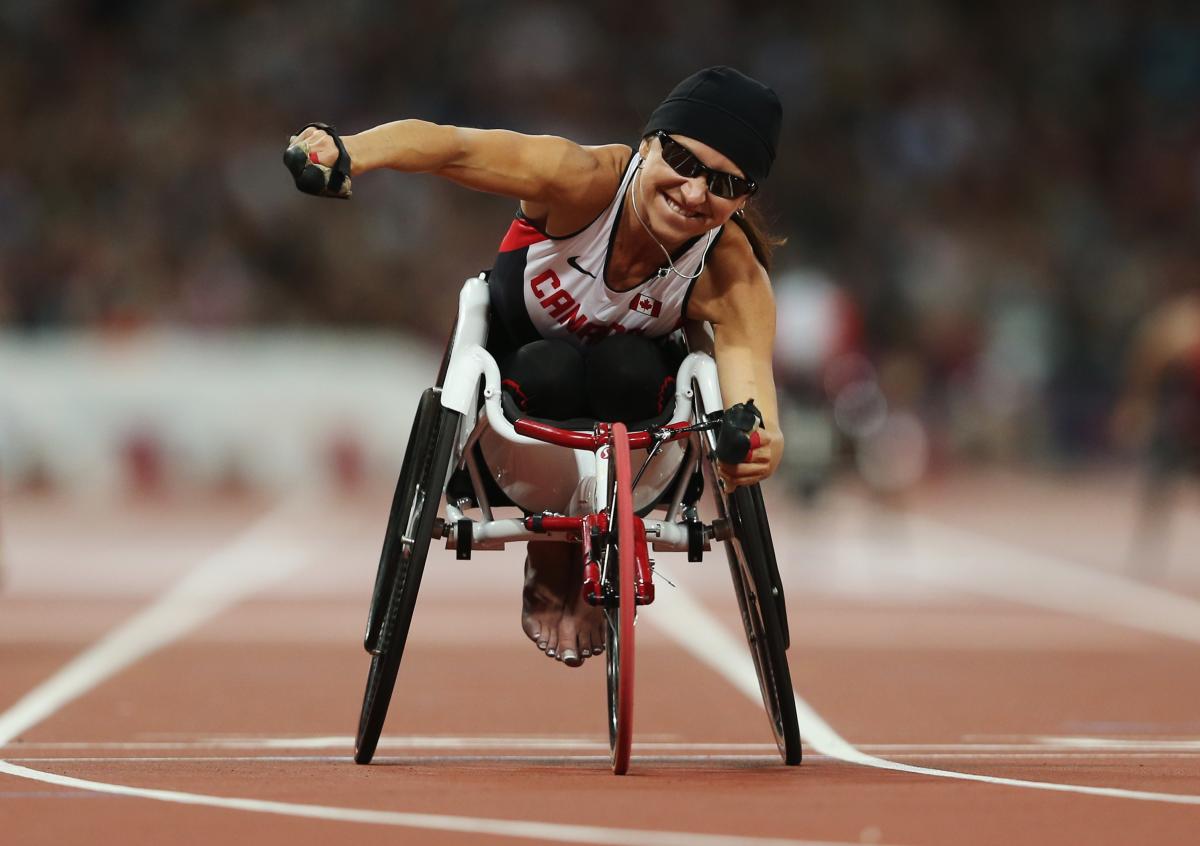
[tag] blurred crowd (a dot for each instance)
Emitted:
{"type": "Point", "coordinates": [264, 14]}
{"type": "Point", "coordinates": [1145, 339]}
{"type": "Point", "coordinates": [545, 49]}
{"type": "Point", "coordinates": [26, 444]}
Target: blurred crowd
{"type": "Point", "coordinates": [981, 200]}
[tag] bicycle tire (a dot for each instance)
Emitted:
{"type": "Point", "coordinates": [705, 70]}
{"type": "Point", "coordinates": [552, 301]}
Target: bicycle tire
{"type": "Point", "coordinates": [619, 626]}
{"type": "Point", "coordinates": [419, 504]}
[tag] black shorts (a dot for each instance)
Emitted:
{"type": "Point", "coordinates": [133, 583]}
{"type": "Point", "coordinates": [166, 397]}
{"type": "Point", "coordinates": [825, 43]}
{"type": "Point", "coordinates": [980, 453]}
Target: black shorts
{"type": "Point", "coordinates": [624, 378]}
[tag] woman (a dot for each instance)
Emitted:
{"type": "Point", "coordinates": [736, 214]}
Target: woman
{"type": "Point", "coordinates": [611, 249]}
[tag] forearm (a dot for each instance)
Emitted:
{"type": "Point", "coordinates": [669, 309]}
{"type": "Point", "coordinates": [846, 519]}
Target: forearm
{"type": "Point", "coordinates": [746, 374]}
{"type": "Point", "coordinates": [743, 379]}
{"type": "Point", "coordinates": [412, 146]}
{"type": "Point", "coordinates": [735, 298]}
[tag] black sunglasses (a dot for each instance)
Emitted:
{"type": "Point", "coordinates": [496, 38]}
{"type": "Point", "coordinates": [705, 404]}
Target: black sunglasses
{"type": "Point", "coordinates": [684, 162]}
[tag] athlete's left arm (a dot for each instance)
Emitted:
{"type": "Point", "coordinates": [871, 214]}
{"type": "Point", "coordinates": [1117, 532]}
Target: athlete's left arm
{"type": "Point", "coordinates": [734, 295]}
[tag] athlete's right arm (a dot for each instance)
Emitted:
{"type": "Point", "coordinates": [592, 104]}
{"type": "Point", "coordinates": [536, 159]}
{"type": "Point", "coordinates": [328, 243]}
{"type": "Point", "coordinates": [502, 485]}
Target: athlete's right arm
{"type": "Point", "coordinates": [542, 170]}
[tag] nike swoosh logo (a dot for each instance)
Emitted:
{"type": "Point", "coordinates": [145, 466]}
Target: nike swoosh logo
{"type": "Point", "coordinates": [571, 261]}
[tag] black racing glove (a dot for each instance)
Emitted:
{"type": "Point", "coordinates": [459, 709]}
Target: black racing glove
{"type": "Point", "coordinates": [317, 179]}
{"type": "Point", "coordinates": [735, 441]}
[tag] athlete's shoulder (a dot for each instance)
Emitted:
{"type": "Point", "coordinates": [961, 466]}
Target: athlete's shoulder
{"type": "Point", "coordinates": [594, 181]}
{"type": "Point", "coordinates": [606, 166]}
{"type": "Point", "coordinates": [733, 257]}
{"type": "Point", "coordinates": [614, 158]}
{"type": "Point", "coordinates": [733, 283]}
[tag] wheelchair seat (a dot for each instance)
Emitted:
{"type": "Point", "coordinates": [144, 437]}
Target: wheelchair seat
{"type": "Point", "coordinates": [583, 424]}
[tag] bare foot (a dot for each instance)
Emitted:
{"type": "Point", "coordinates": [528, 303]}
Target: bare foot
{"type": "Point", "coordinates": [554, 613]}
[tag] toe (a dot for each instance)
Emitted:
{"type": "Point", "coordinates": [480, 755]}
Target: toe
{"type": "Point", "coordinates": [594, 638]}
{"type": "Point", "coordinates": [568, 641]}
{"type": "Point", "coordinates": [585, 643]}
{"type": "Point", "coordinates": [531, 628]}
{"type": "Point", "coordinates": [531, 624]}
{"type": "Point", "coordinates": [535, 632]}
{"type": "Point", "coordinates": [599, 638]}
{"type": "Point", "coordinates": [552, 643]}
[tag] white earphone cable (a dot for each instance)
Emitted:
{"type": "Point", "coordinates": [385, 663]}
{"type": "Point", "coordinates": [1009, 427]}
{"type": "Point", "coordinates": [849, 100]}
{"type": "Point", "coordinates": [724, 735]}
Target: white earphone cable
{"type": "Point", "coordinates": [670, 263]}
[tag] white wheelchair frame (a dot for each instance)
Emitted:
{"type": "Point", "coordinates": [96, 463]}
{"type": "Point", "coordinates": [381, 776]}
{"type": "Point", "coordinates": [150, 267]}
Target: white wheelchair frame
{"type": "Point", "coordinates": [697, 391]}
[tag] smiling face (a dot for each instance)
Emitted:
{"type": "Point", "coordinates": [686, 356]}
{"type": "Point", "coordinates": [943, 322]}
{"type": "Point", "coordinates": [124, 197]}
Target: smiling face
{"type": "Point", "coordinates": [677, 208]}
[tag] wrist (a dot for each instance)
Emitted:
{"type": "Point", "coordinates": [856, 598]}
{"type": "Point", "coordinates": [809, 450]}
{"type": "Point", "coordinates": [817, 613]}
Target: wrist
{"type": "Point", "coordinates": [359, 154]}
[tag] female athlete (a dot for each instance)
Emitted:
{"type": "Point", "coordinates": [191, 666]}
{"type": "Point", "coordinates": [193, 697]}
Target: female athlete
{"type": "Point", "coordinates": [612, 250]}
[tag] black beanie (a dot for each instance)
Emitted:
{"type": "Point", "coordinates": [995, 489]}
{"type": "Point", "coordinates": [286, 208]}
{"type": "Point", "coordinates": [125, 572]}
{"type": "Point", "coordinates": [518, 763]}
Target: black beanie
{"type": "Point", "coordinates": [728, 111]}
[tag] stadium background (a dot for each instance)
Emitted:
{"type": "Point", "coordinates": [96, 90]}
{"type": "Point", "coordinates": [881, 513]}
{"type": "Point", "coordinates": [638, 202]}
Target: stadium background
{"type": "Point", "coordinates": [206, 380]}
{"type": "Point", "coordinates": [996, 193]}
{"type": "Point", "coordinates": [981, 202]}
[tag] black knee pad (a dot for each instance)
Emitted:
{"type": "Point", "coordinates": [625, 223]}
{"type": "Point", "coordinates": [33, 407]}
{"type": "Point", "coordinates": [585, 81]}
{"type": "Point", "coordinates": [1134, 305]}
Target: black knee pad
{"type": "Point", "coordinates": [546, 378]}
{"type": "Point", "coordinates": [628, 379]}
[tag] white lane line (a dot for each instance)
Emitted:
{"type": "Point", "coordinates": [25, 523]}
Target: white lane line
{"type": "Point", "coordinates": [936, 553]}
{"type": "Point", "coordinates": [395, 742]}
{"type": "Point", "coordinates": [1102, 746]}
{"type": "Point", "coordinates": [558, 832]}
{"type": "Point", "coordinates": [1049, 744]}
{"type": "Point", "coordinates": [408, 760]}
{"type": "Point", "coordinates": [695, 629]}
{"type": "Point", "coordinates": [1113, 744]}
{"type": "Point", "coordinates": [178, 759]}
{"type": "Point", "coordinates": [764, 759]}
{"type": "Point", "coordinates": [262, 555]}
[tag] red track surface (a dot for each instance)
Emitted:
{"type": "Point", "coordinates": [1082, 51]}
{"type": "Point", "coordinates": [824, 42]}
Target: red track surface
{"type": "Point", "coordinates": [917, 638]}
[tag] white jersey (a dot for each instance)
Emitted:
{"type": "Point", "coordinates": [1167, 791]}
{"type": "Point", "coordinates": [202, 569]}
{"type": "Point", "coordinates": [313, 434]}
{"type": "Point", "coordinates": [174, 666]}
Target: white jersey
{"type": "Point", "coordinates": [545, 286]}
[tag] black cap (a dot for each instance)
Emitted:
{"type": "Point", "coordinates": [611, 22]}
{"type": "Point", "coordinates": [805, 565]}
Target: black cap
{"type": "Point", "coordinates": [728, 111]}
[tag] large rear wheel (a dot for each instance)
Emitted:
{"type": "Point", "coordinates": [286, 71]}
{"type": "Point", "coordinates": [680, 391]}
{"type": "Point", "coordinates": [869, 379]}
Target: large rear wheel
{"type": "Point", "coordinates": [406, 545]}
{"type": "Point", "coordinates": [619, 581]}
{"type": "Point", "coordinates": [759, 593]}
{"type": "Point", "coordinates": [420, 439]}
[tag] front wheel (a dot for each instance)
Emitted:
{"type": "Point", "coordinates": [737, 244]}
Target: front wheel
{"type": "Point", "coordinates": [619, 581]}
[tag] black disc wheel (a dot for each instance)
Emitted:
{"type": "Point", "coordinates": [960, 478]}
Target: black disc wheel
{"type": "Point", "coordinates": [760, 600]}
{"type": "Point", "coordinates": [405, 546]}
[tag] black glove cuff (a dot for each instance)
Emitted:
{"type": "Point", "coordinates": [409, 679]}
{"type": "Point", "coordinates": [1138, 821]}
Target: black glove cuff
{"type": "Point", "coordinates": [341, 168]}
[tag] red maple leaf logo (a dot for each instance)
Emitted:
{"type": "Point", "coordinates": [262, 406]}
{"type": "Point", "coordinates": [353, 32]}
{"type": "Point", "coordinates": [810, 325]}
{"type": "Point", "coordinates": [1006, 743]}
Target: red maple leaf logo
{"type": "Point", "coordinates": [645, 304]}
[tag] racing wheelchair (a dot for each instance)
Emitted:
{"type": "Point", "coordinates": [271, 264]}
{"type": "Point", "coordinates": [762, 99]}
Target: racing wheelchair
{"type": "Point", "coordinates": [576, 481]}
